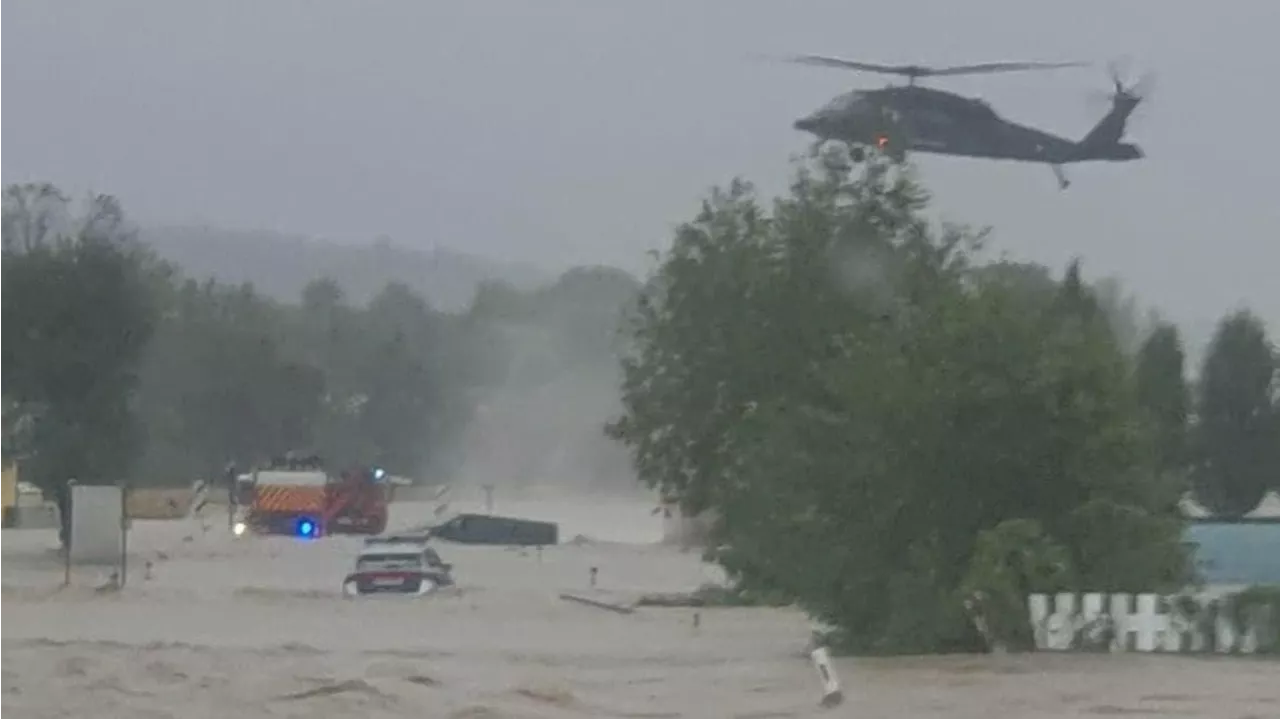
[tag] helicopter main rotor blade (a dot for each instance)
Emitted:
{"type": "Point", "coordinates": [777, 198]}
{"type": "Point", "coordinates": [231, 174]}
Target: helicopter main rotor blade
{"type": "Point", "coordinates": [914, 71]}
{"type": "Point", "coordinates": [990, 67]}
{"type": "Point", "coordinates": [824, 61]}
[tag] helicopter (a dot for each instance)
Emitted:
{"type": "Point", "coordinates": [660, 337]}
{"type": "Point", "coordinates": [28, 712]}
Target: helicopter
{"type": "Point", "coordinates": [901, 118]}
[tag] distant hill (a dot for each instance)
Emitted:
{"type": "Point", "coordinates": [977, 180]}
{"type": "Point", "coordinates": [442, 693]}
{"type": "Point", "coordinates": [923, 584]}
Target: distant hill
{"type": "Point", "coordinates": [281, 265]}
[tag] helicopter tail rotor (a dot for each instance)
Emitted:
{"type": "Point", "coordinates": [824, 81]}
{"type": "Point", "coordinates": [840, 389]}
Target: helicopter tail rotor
{"type": "Point", "coordinates": [1106, 140]}
{"type": "Point", "coordinates": [1130, 97]}
{"type": "Point", "coordinates": [1136, 91]}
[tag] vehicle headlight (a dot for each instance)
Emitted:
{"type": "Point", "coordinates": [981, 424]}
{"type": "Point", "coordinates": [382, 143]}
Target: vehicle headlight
{"type": "Point", "coordinates": [238, 528]}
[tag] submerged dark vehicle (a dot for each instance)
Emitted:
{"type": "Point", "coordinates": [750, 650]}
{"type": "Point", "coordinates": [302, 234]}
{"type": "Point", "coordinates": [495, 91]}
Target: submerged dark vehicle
{"type": "Point", "coordinates": [489, 529]}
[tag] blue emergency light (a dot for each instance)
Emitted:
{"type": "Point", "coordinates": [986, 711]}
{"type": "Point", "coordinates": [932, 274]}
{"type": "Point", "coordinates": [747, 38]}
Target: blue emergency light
{"type": "Point", "coordinates": [305, 528]}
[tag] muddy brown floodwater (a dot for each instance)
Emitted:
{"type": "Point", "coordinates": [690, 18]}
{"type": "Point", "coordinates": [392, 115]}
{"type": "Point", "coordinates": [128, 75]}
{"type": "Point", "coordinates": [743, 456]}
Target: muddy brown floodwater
{"type": "Point", "coordinates": [258, 628]}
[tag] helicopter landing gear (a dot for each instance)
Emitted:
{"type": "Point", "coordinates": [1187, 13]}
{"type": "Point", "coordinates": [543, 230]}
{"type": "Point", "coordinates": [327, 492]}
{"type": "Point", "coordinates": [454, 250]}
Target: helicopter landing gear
{"type": "Point", "coordinates": [1063, 182]}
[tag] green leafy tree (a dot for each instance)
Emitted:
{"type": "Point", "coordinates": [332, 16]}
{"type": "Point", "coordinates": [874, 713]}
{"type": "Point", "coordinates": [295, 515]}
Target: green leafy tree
{"type": "Point", "coordinates": [690, 327]}
{"type": "Point", "coordinates": [219, 386]}
{"type": "Point", "coordinates": [1129, 322]}
{"type": "Point", "coordinates": [405, 410]}
{"type": "Point", "coordinates": [234, 376]}
{"type": "Point", "coordinates": [329, 335]}
{"type": "Point", "coordinates": [1160, 375]}
{"type": "Point", "coordinates": [1010, 561]}
{"type": "Point", "coordinates": [78, 313]}
{"type": "Point", "coordinates": [1234, 435]}
{"type": "Point", "coordinates": [224, 373]}
{"type": "Point", "coordinates": [859, 402]}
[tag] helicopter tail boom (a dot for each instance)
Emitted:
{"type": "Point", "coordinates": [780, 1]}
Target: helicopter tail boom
{"type": "Point", "coordinates": [1103, 142]}
{"type": "Point", "coordinates": [1107, 134]}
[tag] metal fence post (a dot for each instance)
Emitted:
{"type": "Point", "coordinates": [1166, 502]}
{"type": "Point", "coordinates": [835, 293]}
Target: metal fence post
{"type": "Point", "coordinates": [229, 474]}
{"type": "Point", "coordinates": [124, 531]}
{"type": "Point", "coordinates": [64, 527]}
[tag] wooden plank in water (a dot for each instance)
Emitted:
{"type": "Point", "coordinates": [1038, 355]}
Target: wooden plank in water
{"type": "Point", "coordinates": [599, 603]}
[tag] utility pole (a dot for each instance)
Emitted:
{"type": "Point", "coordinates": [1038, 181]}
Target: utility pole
{"type": "Point", "coordinates": [64, 519]}
{"type": "Point", "coordinates": [230, 474]}
{"type": "Point", "coordinates": [124, 531]}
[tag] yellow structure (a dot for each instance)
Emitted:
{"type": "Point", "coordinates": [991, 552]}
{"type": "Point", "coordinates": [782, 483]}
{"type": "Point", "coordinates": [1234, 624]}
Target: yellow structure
{"type": "Point", "coordinates": [8, 488]}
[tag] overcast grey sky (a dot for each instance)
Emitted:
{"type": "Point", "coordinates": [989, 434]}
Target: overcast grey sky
{"type": "Point", "coordinates": [582, 131]}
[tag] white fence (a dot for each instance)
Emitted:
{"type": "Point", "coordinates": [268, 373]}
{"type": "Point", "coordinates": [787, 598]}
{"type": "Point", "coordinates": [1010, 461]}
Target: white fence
{"type": "Point", "coordinates": [1142, 622]}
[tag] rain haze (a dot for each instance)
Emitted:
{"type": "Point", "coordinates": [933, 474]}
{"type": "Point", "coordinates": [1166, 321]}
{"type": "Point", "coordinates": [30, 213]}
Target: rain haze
{"type": "Point", "coordinates": [554, 146]}
{"type": "Point", "coordinates": [563, 133]}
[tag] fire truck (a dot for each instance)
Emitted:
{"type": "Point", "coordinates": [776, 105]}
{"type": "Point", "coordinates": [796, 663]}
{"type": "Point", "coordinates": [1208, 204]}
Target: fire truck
{"type": "Point", "coordinates": [297, 496]}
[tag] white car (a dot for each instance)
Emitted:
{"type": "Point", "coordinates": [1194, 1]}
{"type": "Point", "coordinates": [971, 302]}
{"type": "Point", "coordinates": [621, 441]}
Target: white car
{"type": "Point", "coordinates": [397, 564]}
